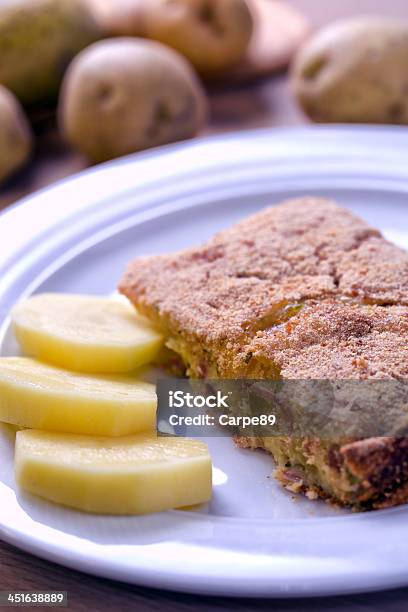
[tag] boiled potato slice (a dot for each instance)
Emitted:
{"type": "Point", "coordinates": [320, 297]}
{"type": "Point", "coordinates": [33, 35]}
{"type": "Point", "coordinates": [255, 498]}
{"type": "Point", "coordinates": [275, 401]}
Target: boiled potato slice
{"type": "Point", "coordinates": [9, 431]}
{"type": "Point", "coordinates": [84, 333]}
{"type": "Point", "coordinates": [39, 396]}
{"type": "Point", "coordinates": [133, 475]}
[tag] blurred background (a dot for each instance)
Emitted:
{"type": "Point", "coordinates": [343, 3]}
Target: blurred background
{"type": "Point", "coordinates": [85, 81]}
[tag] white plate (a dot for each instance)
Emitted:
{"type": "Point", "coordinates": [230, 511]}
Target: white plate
{"type": "Point", "coordinates": [77, 237]}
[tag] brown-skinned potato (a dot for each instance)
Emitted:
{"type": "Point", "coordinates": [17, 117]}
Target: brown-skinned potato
{"type": "Point", "coordinates": [15, 135]}
{"type": "Point", "coordinates": [119, 17]}
{"type": "Point", "coordinates": [355, 70]}
{"type": "Point", "coordinates": [124, 95]}
{"type": "Point", "coordinates": [38, 39]}
{"type": "Point", "coordinates": [214, 35]}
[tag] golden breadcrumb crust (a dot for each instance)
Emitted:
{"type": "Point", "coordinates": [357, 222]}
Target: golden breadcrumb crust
{"type": "Point", "coordinates": [301, 290]}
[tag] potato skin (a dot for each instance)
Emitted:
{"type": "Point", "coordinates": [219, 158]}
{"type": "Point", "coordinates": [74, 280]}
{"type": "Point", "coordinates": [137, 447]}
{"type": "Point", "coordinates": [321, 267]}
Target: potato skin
{"type": "Point", "coordinates": [124, 95]}
{"type": "Point", "coordinates": [120, 17]}
{"type": "Point", "coordinates": [38, 39]}
{"type": "Point", "coordinates": [355, 70]}
{"type": "Point", "coordinates": [213, 34]}
{"type": "Point", "coordinates": [15, 135]}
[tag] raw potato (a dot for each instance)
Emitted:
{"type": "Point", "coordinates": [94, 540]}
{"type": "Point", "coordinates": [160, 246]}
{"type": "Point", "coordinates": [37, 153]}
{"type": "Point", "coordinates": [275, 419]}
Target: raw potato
{"type": "Point", "coordinates": [355, 71]}
{"type": "Point", "coordinates": [38, 396]}
{"type": "Point", "coordinates": [124, 95]}
{"type": "Point", "coordinates": [15, 135]}
{"type": "Point", "coordinates": [120, 17]}
{"type": "Point", "coordinates": [38, 39]}
{"type": "Point", "coordinates": [133, 475]}
{"type": "Point", "coordinates": [85, 333]}
{"type": "Point", "coordinates": [213, 34]}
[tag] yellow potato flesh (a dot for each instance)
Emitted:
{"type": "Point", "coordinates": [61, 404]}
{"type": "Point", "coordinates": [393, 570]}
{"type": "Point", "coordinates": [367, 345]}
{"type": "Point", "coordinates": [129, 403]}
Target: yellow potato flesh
{"type": "Point", "coordinates": [133, 475]}
{"type": "Point", "coordinates": [40, 396]}
{"type": "Point", "coordinates": [85, 333]}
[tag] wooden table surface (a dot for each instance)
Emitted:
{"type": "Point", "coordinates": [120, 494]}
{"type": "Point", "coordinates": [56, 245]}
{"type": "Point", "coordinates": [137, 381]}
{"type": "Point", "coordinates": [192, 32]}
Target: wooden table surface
{"type": "Point", "coordinates": [267, 103]}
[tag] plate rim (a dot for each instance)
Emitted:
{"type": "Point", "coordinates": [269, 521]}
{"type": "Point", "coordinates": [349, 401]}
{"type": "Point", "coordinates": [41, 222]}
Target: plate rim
{"type": "Point", "coordinates": [35, 546]}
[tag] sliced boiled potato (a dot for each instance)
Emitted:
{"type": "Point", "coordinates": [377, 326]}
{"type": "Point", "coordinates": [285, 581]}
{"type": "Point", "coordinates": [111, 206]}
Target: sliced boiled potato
{"type": "Point", "coordinates": [85, 333]}
{"type": "Point", "coordinates": [9, 431]}
{"type": "Point", "coordinates": [40, 396]}
{"type": "Point", "coordinates": [133, 475]}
